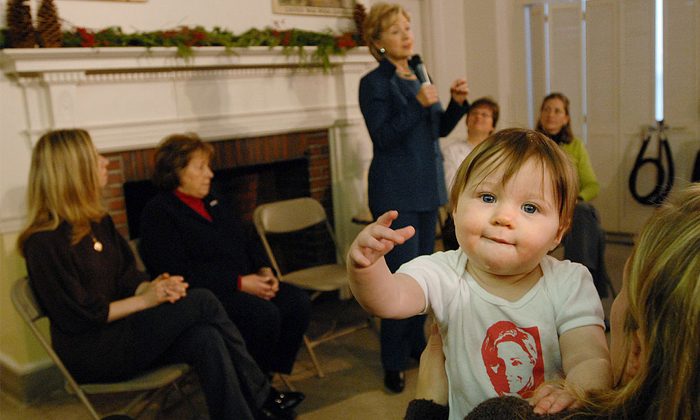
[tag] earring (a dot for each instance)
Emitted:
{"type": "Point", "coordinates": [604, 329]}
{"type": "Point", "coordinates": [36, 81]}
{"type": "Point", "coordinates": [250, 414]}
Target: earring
{"type": "Point", "coordinates": [382, 50]}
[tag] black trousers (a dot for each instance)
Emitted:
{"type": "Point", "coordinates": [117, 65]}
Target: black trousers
{"type": "Point", "coordinates": [196, 330]}
{"type": "Point", "coordinates": [273, 329]}
{"type": "Point", "coordinates": [402, 338]}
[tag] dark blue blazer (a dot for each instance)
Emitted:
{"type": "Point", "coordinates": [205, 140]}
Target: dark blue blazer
{"type": "Point", "coordinates": [406, 172]}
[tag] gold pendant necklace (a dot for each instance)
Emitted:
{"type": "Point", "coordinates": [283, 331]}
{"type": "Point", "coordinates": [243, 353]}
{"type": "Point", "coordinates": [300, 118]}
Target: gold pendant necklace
{"type": "Point", "coordinates": [96, 245]}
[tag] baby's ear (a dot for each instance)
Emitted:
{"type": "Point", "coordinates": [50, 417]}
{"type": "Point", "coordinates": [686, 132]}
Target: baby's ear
{"type": "Point", "coordinates": [560, 235]}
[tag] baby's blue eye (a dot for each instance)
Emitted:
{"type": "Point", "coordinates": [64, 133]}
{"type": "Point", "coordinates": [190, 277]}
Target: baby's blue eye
{"type": "Point", "coordinates": [529, 208]}
{"type": "Point", "coordinates": [488, 198]}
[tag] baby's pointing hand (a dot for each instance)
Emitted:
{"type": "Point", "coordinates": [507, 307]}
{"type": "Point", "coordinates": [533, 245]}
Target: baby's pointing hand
{"type": "Point", "coordinates": [377, 239]}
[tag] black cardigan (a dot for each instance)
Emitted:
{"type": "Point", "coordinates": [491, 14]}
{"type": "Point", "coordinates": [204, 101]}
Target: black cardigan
{"type": "Point", "coordinates": [75, 285]}
{"type": "Point", "coordinates": [178, 240]}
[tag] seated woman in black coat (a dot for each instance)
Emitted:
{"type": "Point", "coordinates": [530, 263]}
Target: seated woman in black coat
{"type": "Point", "coordinates": [109, 321]}
{"type": "Point", "coordinates": [186, 231]}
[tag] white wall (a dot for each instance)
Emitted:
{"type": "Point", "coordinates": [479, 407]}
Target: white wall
{"type": "Point", "coordinates": [235, 15]}
{"type": "Point", "coordinates": [496, 66]}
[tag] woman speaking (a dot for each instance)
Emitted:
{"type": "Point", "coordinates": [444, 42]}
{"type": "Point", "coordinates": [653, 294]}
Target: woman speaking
{"type": "Point", "coordinates": [405, 120]}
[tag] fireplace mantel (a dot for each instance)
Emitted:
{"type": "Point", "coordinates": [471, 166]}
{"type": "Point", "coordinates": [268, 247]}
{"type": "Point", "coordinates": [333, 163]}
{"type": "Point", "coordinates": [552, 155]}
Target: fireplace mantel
{"type": "Point", "coordinates": [130, 98]}
{"type": "Point", "coordinates": [252, 91]}
{"type": "Point", "coordinates": [25, 61]}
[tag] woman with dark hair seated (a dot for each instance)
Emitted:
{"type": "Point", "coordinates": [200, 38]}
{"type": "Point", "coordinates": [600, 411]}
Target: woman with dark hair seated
{"type": "Point", "coordinates": [109, 321]}
{"type": "Point", "coordinates": [186, 231]}
{"type": "Point", "coordinates": [655, 335]}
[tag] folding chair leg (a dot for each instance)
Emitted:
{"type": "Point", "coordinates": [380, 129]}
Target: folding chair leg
{"type": "Point", "coordinates": [184, 396]}
{"type": "Point", "coordinates": [312, 353]}
{"type": "Point", "coordinates": [86, 402]}
{"type": "Point", "coordinates": [286, 382]}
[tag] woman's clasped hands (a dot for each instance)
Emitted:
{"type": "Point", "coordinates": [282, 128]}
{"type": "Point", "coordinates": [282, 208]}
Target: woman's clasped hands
{"type": "Point", "coordinates": [164, 288]}
{"type": "Point", "coordinates": [263, 284]}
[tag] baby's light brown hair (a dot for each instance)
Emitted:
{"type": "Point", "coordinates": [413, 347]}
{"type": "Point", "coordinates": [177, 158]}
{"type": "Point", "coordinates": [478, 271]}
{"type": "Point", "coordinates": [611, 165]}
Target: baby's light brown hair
{"type": "Point", "coordinates": [510, 149]}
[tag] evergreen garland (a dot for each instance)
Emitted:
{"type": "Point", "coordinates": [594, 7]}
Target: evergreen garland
{"type": "Point", "coordinates": [49, 33]}
{"type": "Point", "coordinates": [184, 38]}
{"type": "Point", "coordinates": [20, 31]}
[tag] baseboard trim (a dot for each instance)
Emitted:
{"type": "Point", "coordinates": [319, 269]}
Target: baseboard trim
{"type": "Point", "coordinates": [26, 387]}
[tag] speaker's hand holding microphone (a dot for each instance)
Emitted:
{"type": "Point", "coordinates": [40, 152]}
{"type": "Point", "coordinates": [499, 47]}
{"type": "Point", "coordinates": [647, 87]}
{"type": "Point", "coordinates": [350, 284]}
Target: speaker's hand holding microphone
{"type": "Point", "coordinates": [428, 93]}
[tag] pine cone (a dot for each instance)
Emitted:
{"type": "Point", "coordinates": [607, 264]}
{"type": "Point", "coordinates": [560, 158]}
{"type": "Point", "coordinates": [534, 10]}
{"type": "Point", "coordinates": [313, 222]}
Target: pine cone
{"type": "Point", "coordinates": [49, 33]}
{"type": "Point", "coordinates": [20, 31]}
{"type": "Point", "coordinates": [359, 15]}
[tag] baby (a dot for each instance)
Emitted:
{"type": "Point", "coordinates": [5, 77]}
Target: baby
{"type": "Point", "coordinates": [511, 316]}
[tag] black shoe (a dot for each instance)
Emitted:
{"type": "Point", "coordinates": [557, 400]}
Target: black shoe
{"type": "Point", "coordinates": [280, 405]}
{"type": "Point", "coordinates": [395, 380]}
{"type": "Point", "coordinates": [265, 414]}
{"type": "Point", "coordinates": [285, 400]}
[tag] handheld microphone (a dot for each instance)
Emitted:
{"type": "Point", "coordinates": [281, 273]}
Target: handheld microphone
{"type": "Point", "coordinates": [417, 63]}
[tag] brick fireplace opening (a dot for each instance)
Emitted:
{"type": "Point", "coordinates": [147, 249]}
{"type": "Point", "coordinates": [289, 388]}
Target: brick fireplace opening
{"type": "Point", "coordinates": [248, 171]}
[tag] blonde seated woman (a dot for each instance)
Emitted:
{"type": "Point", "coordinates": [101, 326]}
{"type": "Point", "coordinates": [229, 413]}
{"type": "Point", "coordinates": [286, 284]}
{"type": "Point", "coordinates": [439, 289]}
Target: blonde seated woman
{"type": "Point", "coordinates": [655, 334]}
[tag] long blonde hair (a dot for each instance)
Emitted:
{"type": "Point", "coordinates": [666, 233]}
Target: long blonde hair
{"type": "Point", "coordinates": [664, 310]}
{"type": "Point", "coordinates": [63, 185]}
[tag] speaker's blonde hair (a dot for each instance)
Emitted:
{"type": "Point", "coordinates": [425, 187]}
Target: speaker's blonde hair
{"type": "Point", "coordinates": [63, 185]}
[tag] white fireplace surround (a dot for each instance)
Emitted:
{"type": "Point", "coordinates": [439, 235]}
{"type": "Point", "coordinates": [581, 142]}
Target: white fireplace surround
{"type": "Point", "coordinates": [130, 98]}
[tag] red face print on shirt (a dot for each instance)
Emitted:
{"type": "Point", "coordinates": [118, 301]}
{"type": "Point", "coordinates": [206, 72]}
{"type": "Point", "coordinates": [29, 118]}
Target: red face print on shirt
{"type": "Point", "coordinates": [513, 359]}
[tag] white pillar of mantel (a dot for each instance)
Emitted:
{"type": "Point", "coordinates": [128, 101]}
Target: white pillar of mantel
{"type": "Point", "coordinates": [130, 98]}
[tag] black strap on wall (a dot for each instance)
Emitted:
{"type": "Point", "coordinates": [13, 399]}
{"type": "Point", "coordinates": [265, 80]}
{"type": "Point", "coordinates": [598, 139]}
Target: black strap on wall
{"type": "Point", "coordinates": [664, 176]}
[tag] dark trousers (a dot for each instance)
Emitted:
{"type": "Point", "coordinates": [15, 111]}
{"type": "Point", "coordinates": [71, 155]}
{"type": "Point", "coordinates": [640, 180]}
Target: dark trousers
{"type": "Point", "coordinates": [585, 244]}
{"type": "Point", "coordinates": [273, 329]}
{"type": "Point", "coordinates": [403, 338]}
{"type": "Point", "coordinates": [196, 330]}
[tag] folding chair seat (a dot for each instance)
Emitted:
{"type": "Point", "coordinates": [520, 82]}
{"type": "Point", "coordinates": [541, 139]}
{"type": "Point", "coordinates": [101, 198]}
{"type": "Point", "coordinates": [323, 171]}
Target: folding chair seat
{"type": "Point", "coordinates": [147, 386]}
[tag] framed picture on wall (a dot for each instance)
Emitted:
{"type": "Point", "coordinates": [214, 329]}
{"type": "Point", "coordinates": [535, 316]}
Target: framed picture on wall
{"type": "Point", "coordinates": [126, 1]}
{"type": "Point", "coordinates": [339, 8]}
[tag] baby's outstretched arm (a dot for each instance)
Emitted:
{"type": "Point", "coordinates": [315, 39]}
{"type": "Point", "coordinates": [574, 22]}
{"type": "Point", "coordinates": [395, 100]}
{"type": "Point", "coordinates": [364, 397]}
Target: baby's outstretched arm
{"type": "Point", "coordinates": [378, 290]}
{"type": "Point", "coordinates": [586, 363]}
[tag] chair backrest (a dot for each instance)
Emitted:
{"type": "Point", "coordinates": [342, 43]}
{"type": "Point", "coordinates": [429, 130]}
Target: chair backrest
{"type": "Point", "coordinates": [31, 312]}
{"type": "Point", "coordinates": [288, 216]}
{"type": "Point", "coordinates": [24, 300]}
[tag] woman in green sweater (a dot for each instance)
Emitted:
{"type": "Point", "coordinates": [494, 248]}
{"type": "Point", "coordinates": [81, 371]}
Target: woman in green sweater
{"type": "Point", "coordinates": [585, 242]}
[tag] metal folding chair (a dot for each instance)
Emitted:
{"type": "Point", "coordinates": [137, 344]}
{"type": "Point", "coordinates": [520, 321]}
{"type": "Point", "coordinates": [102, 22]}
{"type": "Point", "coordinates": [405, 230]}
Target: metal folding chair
{"type": "Point", "coordinates": [149, 385]}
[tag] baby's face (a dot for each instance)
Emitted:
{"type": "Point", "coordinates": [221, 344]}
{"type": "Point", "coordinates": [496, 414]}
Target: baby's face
{"type": "Point", "coordinates": [507, 230]}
